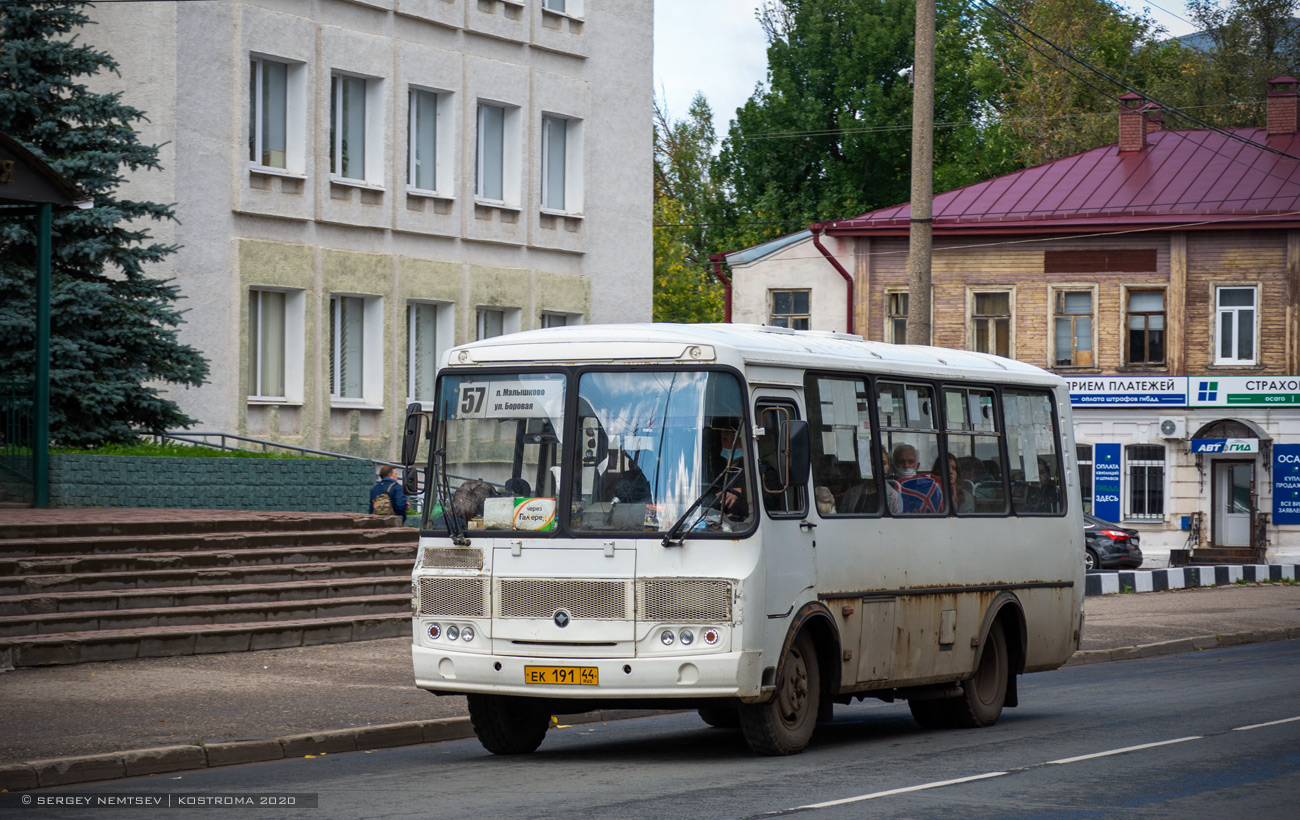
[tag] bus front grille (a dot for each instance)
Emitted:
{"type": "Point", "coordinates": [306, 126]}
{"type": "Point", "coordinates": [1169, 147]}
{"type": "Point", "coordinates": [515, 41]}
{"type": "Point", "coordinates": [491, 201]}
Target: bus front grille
{"type": "Point", "coordinates": [454, 558]}
{"type": "Point", "coordinates": [541, 597]}
{"type": "Point", "coordinates": [453, 597]}
{"type": "Point", "coordinates": [684, 599]}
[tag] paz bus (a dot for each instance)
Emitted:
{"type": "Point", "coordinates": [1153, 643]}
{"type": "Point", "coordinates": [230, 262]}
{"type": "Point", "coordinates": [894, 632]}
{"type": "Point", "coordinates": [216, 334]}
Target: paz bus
{"type": "Point", "coordinates": [752, 522]}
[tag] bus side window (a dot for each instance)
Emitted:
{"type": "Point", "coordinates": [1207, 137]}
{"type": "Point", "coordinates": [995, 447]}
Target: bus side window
{"type": "Point", "coordinates": [844, 474]}
{"type": "Point", "coordinates": [1033, 456]}
{"type": "Point", "coordinates": [915, 467]}
{"type": "Point", "coordinates": [974, 451]}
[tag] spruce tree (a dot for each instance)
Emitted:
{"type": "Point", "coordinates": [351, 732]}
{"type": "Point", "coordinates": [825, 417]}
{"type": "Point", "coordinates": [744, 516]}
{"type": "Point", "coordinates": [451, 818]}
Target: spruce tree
{"type": "Point", "coordinates": [113, 327]}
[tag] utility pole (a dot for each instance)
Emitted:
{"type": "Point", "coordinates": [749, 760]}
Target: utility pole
{"type": "Point", "coordinates": [920, 233]}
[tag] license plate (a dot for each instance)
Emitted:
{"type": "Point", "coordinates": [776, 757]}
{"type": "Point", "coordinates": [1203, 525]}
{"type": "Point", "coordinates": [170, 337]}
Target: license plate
{"type": "Point", "coordinates": [562, 675]}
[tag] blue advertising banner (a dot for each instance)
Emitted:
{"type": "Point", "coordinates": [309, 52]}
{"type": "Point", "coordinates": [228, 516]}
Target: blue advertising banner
{"type": "Point", "coordinates": [1286, 483]}
{"type": "Point", "coordinates": [1106, 482]}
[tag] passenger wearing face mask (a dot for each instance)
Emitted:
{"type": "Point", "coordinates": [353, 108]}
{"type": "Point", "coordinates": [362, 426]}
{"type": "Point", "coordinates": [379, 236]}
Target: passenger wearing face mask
{"type": "Point", "coordinates": [910, 492]}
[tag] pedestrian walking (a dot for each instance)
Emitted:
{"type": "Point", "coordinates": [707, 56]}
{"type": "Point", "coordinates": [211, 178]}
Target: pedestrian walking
{"type": "Point", "coordinates": [386, 497]}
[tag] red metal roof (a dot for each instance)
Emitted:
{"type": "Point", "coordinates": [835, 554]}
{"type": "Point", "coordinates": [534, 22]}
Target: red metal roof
{"type": "Point", "coordinates": [1197, 180]}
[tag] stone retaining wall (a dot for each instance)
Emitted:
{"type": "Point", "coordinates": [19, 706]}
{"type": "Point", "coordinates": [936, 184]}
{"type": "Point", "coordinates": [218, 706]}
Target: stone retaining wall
{"type": "Point", "coordinates": [303, 485]}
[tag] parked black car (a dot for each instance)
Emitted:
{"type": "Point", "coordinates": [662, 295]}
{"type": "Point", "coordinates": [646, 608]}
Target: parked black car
{"type": "Point", "coordinates": [1109, 546]}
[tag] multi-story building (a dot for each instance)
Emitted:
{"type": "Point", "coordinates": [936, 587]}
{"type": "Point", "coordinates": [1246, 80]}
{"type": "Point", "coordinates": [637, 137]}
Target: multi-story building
{"type": "Point", "coordinates": [360, 184]}
{"type": "Point", "coordinates": [1159, 275]}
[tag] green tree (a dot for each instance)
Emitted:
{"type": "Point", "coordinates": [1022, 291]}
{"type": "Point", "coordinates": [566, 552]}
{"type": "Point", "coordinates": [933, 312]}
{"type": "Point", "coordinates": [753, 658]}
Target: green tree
{"type": "Point", "coordinates": [829, 133]}
{"type": "Point", "coordinates": [114, 328]}
{"type": "Point", "coordinates": [1050, 105]}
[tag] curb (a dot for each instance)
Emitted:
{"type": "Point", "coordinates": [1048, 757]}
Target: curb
{"type": "Point", "coordinates": [64, 771]}
{"type": "Point", "coordinates": [1110, 582]}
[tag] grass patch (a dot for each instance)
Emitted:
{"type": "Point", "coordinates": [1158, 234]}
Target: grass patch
{"type": "Point", "coordinates": [172, 449]}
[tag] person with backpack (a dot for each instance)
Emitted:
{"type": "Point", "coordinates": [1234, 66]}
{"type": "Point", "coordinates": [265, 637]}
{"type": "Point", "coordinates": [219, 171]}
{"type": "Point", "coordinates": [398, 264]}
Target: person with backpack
{"type": "Point", "coordinates": [386, 497]}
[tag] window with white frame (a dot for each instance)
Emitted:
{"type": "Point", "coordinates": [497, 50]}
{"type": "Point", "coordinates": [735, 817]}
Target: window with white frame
{"type": "Point", "coordinates": [275, 112]}
{"type": "Point", "coordinates": [1146, 327]}
{"type": "Point", "coordinates": [497, 164]}
{"type": "Point", "coordinates": [356, 348]}
{"type": "Point", "coordinates": [496, 321]}
{"type": "Point", "coordinates": [990, 322]}
{"type": "Point", "coordinates": [1235, 319]}
{"type": "Point", "coordinates": [896, 316]}
{"type": "Point", "coordinates": [1072, 326]}
{"type": "Point", "coordinates": [266, 344]}
{"type": "Point", "coordinates": [1146, 481]}
{"type": "Point", "coordinates": [573, 8]}
{"type": "Point", "coordinates": [556, 320]}
{"type": "Point", "coordinates": [275, 345]}
{"type": "Point", "coordinates": [561, 164]}
{"type": "Point", "coordinates": [427, 333]}
{"type": "Point", "coordinates": [356, 132]}
{"type": "Point", "coordinates": [789, 308]}
{"type": "Point", "coordinates": [428, 168]}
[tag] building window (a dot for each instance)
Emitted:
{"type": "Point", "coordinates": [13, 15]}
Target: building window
{"type": "Point", "coordinates": [1083, 455]}
{"type": "Point", "coordinates": [425, 169]}
{"type": "Point", "coordinates": [1235, 311]}
{"type": "Point", "coordinates": [427, 334]}
{"type": "Point", "coordinates": [497, 162]}
{"type": "Point", "coordinates": [347, 346]}
{"type": "Point", "coordinates": [1146, 327]}
{"type": "Point", "coordinates": [266, 344]}
{"type": "Point", "coordinates": [275, 112]}
{"type": "Point", "coordinates": [561, 164]}
{"type": "Point", "coordinates": [555, 320]}
{"type": "Point", "coordinates": [356, 134]}
{"type": "Point", "coordinates": [268, 113]}
{"type": "Point", "coordinates": [990, 323]}
{"type": "Point", "coordinates": [896, 317]}
{"type": "Point", "coordinates": [1146, 481]}
{"type": "Point", "coordinates": [789, 308]}
{"type": "Point", "coordinates": [1072, 320]}
{"type": "Point", "coordinates": [495, 321]}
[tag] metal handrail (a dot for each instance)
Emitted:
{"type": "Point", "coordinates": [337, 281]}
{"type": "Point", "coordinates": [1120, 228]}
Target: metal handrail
{"type": "Point", "coordinates": [223, 445]}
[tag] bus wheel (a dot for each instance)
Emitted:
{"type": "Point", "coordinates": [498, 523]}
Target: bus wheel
{"type": "Point", "coordinates": [784, 725]}
{"type": "Point", "coordinates": [720, 717]}
{"type": "Point", "coordinates": [931, 714]}
{"type": "Point", "coordinates": [984, 694]}
{"type": "Point", "coordinates": [507, 725]}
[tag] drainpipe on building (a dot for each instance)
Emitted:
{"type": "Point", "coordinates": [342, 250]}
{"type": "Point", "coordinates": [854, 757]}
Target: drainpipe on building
{"type": "Point", "coordinates": [717, 260]}
{"type": "Point", "coordinates": [835, 263]}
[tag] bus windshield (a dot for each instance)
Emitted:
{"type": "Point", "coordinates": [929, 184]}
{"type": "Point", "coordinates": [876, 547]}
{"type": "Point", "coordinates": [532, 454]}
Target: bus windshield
{"type": "Point", "coordinates": [651, 444]}
{"type": "Point", "coordinates": [498, 437]}
{"type": "Point", "coordinates": [647, 447]}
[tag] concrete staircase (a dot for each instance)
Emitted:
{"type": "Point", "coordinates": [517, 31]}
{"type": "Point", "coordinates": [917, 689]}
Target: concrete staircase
{"type": "Point", "coordinates": [95, 591]}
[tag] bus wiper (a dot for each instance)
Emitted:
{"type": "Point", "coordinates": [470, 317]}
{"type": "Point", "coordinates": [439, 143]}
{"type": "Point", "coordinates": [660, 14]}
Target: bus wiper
{"type": "Point", "coordinates": [672, 537]}
{"type": "Point", "coordinates": [442, 489]}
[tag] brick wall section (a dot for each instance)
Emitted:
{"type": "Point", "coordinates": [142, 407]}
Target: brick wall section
{"type": "Point", "coordinates": [303, 485]}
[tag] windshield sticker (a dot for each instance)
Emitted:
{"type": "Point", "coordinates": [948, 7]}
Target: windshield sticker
{"type": "Point", "coordinates": [510, 399]}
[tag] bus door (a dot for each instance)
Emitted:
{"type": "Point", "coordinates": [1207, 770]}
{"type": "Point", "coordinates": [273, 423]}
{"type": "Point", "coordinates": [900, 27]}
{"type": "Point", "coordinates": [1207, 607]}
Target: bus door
{"type": "Point", "coordinates": [788, 536]}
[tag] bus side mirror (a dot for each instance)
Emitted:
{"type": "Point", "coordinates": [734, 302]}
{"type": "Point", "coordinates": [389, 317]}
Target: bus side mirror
{"type": "Point", "coordinates": [793, 456]}
{"type": "Point", "coordinates": [415, 418]}
{"type": "Point", "coordinates": [411, 480]}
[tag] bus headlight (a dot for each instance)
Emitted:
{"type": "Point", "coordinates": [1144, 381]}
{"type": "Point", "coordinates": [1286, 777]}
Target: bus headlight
{"type": "Point", "coordinates": [467, 633]}
{"type": "Point", "coordinates": [687, 637]}
{"type": "Point", "coordinates": [666, 637]}
{"type": "Point", "coordinates": [453, 632]}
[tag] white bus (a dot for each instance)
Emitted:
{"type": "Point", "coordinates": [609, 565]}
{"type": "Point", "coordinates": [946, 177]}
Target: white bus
{"type": "Point", "coordinates": [753, 522]}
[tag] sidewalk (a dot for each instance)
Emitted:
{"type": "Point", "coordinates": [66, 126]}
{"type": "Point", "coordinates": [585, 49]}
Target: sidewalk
{"type": "Point", "coordinates": [97, 721]}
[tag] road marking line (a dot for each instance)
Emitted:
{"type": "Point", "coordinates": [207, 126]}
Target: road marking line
{"type": "Point", "coordinates": [905, 790]}
{"type": "Point", "coordinates": [1262, 725]}
{"type": "Point", "coordinates": [1121, 751]}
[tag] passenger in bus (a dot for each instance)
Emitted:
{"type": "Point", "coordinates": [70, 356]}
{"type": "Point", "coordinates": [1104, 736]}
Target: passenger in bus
{"type": "Point", "coordinates": [1044, 495]}
{"type": "Point", "coordinates": [963, 491]}
{"type": "Point", "coordinates": [910, 492]}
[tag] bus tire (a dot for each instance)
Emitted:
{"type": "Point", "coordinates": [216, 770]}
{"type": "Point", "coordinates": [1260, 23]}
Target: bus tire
{"type": "Point", "coordinates": [720, 717]}
{"type": "Point", "coordinates": [931, 714]}
{"type": "Point", "coordinates": [984, 694]}
{"type": "Point", "coordinates": [508, 725]}
{"type": "Point", "coordinates": [785, 724]}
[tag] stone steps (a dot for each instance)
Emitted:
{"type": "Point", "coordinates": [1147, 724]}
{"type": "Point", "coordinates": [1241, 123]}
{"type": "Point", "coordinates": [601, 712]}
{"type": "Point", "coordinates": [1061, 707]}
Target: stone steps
{"type": "Point", "coordinates": [93, 590]}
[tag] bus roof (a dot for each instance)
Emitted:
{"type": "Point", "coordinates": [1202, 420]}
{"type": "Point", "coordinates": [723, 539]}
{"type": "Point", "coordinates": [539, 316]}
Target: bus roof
{"type": "Point", "coordinates": [740, 345]}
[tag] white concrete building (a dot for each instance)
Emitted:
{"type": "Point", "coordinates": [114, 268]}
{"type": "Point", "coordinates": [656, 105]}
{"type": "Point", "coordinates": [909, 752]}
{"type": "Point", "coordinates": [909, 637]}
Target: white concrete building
{"type": "Point", "coordinates": [360, 184]}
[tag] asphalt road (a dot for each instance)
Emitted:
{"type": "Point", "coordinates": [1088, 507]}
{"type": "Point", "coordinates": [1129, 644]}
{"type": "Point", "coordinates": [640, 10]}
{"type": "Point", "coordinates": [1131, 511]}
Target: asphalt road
{"type": "Point", "coordinates": [1208, 734]}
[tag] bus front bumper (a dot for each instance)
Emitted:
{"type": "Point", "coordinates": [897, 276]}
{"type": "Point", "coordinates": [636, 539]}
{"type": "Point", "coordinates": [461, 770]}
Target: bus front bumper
{"type": "Point", "coordinates": [723, 675]}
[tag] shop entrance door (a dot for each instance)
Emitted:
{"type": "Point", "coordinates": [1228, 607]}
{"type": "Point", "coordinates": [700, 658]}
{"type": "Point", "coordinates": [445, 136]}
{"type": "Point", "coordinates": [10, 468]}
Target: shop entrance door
{"type": "Point", "coordinates": [1234, 484]}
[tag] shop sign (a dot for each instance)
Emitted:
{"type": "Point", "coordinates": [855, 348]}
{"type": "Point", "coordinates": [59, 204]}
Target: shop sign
{"type": "Point", "coordinates": [1225, 445]}
{"type": "Point", "coordinates": [1243, 391]}
{"type": "Point", "coordinates": [1135, 391]}
{"type": "Point", "coordinates": [1105, 482]}
{"type": "Point", "coordinates": [1286, 483]}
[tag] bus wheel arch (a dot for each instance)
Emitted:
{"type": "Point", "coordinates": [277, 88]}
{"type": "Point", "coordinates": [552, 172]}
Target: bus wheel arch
{"type": "Point", "coordinates": [1006, 610]}
{"type": "Point", "coordinates": [807, 669]}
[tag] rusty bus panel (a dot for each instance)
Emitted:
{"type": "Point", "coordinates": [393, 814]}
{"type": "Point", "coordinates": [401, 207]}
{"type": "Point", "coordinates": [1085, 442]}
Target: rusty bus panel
{"type": "Point", "coordinates": [876, 646]}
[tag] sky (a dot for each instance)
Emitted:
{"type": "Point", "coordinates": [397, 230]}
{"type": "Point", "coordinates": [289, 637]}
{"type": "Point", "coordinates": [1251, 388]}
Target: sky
{"type": "Point", "coordinates": [717, 47]}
